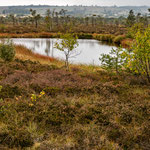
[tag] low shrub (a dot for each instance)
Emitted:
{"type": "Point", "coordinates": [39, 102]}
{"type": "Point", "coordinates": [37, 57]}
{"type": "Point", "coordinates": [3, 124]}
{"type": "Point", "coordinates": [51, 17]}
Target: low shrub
{"type": "Point", "coordinates": [7, 51]}
{"type": "Point", "coordinates": [9, 92]}
{"type": "Point", "coordinates": [126, 118]}
{"type": "Point", "coordinates": [115, 133]}
{"type": "Point", "coordinates": [16, 138]}
{"type": "Point", "coordinates": [52, 91]}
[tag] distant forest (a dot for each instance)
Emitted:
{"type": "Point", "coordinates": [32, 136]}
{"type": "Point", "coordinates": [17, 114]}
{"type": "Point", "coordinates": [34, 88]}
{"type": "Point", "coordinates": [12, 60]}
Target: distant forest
{"type": "Point", "coordinates": [77, 11]}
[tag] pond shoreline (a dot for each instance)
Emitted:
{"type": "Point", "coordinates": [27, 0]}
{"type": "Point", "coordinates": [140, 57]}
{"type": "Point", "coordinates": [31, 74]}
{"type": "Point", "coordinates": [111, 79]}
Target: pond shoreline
{"type": "Point", "coordinates": [117, 40]}
{"type": "Point", "coordinates": [90, 50]}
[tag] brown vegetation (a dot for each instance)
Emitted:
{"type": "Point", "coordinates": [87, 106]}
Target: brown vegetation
{"type": "Point", "coordinates": [80, 109]}
{"type": "Point", "coordinates": [24, 54]}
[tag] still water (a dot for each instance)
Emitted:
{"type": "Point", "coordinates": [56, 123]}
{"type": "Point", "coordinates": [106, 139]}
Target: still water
{"type": "Point", "coordinates": [88, 51]}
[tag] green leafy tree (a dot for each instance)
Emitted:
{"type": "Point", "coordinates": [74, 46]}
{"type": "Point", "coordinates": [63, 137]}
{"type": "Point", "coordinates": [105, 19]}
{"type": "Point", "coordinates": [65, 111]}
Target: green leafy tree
{"type": "Point", "coordinates": [139, 59]}
{"type": "Point", "coordinates": [113, 60]}
{"type": "Point", "coordinates": [7, 51]}
{"type": "Point", "coordinates": [67, 45]}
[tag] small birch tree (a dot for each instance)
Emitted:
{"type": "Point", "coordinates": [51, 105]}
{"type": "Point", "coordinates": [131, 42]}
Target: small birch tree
{"type": "Point", "coordinates": [67, 45]}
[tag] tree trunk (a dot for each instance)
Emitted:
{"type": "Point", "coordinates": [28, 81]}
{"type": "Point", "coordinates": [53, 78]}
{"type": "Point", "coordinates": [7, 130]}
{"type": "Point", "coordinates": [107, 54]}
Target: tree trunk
{"type": "Point", "coordinates": [67, 63]}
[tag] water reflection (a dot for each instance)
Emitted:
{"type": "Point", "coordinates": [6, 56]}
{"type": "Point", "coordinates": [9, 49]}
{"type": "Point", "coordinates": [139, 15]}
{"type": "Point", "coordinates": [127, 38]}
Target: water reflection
{"type": "Point", "coordinates": [49, 47]}
{"type": "Point", "coordinates": [90, 49]}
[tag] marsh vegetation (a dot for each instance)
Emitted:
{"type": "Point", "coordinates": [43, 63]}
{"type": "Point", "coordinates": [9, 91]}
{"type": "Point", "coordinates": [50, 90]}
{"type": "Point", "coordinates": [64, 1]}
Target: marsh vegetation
{"type": "Point", "coordinates": [46, 105]}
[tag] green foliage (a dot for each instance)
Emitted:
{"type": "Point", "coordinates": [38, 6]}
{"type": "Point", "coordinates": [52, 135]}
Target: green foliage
{"type": "Point", "coordinates": [134, 29]}
{"type": "Point", "coordinates": [138, 61]}
{"type": "Point", "coordinates": [113, 60]}
{"type": "Point", "coordinates": [7, 51]}
{"type": "Point", "coordinates": [67, 45]}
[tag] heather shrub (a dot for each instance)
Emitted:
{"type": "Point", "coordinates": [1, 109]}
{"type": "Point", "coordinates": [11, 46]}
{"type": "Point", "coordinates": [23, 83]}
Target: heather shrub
{"type": "Point", "coordinates": [52, 91]}
{"type": "Point", "coordinates": [7, 51]}
{"type": "Point", "coordinates": [14, 137]}
{"type": "Point", "coordinates": [55, 109]}
{"type": "Point", "coordinates": [9, 92]}
{"type": "Point", "coordinates": [126, 118]}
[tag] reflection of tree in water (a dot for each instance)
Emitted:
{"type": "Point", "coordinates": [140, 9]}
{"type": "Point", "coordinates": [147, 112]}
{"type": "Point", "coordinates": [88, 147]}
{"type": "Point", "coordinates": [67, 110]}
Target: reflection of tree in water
{"type": "Point", "coordinates": [89, 43]}
{"type": "Point", "coordinates": [42, 42]}
{"type": "Point", "coordinates": [49, 48]}
{"type": "Point", "coordinates": [36, 44]}
{"type": "Point", "coordinates": [52, 48]}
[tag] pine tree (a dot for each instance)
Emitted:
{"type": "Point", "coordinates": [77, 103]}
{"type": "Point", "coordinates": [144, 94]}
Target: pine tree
{"type": "Point", "coordinates": [131, 19]}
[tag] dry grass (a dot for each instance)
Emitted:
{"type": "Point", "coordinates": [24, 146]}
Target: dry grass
{"type": "Point", "coordinates": [24, 53]}
{"type": "Point", "coordinates": [29, 35]}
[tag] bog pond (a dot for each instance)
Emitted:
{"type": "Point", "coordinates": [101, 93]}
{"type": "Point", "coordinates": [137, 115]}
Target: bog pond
{"type": "Point", "coordinates": [88, 51]}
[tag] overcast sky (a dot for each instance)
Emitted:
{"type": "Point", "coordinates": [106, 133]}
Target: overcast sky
{"type": "Point", "coordinates": [76, 2]}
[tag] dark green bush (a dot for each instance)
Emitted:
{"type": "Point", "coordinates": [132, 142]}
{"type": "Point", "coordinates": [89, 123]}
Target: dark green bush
{"type": "Point", "coordinates": [7, 51]}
